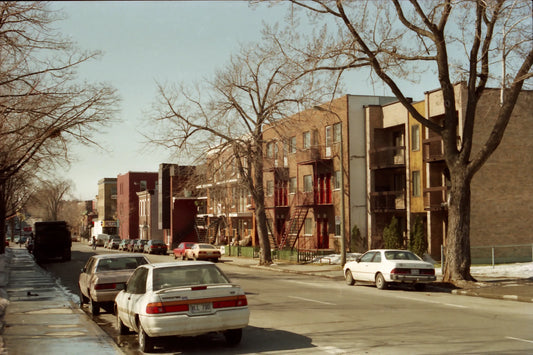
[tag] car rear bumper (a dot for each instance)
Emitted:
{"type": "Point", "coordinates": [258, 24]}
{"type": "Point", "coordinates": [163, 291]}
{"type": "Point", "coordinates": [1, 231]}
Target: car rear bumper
{"type": "Point", "coordinates": [104, 296]}
{"type": "Point", "coordinates": [412, 278]}
{"type": "Point", "coordinates": [185, 325]}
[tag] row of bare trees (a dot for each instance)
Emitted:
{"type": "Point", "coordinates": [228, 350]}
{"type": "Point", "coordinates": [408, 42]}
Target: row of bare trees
{"type": "Point", "coordinates": [396, 42]}
{"type": "Point", "coordinates": [44, 109]}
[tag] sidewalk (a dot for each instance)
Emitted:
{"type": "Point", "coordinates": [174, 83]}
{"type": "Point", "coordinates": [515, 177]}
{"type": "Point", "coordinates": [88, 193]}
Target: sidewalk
{"type": "Point", "coordinates": [41, 317]}
{"type": "Point", "coordinates": [505, 288]}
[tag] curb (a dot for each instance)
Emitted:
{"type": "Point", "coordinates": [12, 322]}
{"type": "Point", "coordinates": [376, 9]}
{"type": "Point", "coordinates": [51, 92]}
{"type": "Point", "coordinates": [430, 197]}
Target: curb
{"type": "Point", "coordinates": [472, 293]}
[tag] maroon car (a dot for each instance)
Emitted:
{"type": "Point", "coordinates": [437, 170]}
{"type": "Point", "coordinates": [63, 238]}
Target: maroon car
{"type": "Point", "coordinates": [179, 252]}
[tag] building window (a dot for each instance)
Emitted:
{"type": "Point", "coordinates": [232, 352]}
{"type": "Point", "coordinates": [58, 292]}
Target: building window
{"type": "Point", "coordinates": [308, 226]}
{"type": "Point", "coordinates": [292, 145]}
{"type": "Point", "coordinates": [415, 137]}
{"type": "Point", "coordinates": [337, 180]}
{"type": "Point", "coordinates": [270, 188]}
{"type": "Point", "coordinates": [307, 140]}
{"type": "Point", "coordinates": [416, 183]}
{"type": "Point", "coordinates": [308, 183]}
{"type": "Point", "coordinates": [270, 150]}
{"type": "Point", "coordinates": [292, 185]}
{"type": "Point", "coordinates": [337, 226]}
{"type": "Point", "coordinates": [143, 185]}
{"type": "Point", "coordinates": [329, 137]}
{"type": "Point", "coordinates": [337, 132]}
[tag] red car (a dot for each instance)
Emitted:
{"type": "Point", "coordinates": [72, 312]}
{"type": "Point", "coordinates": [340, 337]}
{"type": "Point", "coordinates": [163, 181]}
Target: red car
{"type": "Point", "coordinates": [179, 252]}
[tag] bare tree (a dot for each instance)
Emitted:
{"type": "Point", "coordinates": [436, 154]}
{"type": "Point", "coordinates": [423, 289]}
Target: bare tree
{"type": "Point", "coordinates": [43, 109]}
{"type": "Point", "coordinates": [50, 197]}
{"type": "Point", "coordinates": [459, 41]}
{"type": "Point", "coordinates": [261, 84]}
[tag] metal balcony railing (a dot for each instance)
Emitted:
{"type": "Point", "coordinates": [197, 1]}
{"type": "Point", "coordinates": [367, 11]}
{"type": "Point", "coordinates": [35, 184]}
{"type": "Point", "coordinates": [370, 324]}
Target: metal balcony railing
{"type": "Point", "coordinates": [387, 157]}
{"type": "Point", "coordinates": [387, 201]}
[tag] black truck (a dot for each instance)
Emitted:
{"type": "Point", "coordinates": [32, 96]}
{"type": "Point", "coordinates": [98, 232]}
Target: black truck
{"type": "Point", "coordinates": [51, 240]}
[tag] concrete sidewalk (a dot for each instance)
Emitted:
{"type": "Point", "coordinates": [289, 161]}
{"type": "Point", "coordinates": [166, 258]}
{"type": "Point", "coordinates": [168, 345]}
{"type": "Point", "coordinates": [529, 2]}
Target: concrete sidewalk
{"type": "Point", "coordinates": [512, 289]}
{"type": "Point", "coordinates": [41, 316]}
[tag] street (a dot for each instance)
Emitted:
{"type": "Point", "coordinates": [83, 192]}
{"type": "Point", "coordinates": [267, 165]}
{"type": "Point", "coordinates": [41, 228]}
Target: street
{"type": "Point", "coordinates": [296, 314]}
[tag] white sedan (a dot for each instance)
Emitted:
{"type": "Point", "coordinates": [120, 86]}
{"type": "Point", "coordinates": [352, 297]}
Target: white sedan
{"type": "Point", "coordinates": [181, 299]}
{"type": "Point", "coordinates": [384, 266]}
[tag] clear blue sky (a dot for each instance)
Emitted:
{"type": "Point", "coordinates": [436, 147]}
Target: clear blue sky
{"type": "Point", "coordinates": [145, 42]}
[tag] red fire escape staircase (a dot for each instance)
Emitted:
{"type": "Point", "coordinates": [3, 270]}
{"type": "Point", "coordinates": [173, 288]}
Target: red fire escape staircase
{"type": "Point", "coordinates": [292, 229]}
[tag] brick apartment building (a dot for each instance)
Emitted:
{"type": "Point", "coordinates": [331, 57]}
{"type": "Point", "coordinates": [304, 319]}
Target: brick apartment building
{"type": "Point", "coordinates": [128, 185]}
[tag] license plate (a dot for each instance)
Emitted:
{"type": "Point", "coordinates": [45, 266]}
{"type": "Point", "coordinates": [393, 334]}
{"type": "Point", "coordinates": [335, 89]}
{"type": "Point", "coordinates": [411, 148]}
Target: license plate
{"type": "Point", "coordinates": [201, 308]}
{"type": "Point", "coordinates": [415, 271]}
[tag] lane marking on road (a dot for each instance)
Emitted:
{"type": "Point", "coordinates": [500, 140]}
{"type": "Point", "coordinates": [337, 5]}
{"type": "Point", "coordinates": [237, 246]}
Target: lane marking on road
{"type": "Point", "coordinates": [310, 300]}
{"type": "Point", "coordinates": [518, 339]}
{"type": "Point", "coordinates": [434, 302]}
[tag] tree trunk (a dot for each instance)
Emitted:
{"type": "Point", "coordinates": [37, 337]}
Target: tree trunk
{"type": "Point", "coordinates": [265, 256]}
{"type": "Point", "coordinates": [2, 219]}
{"type": "Point", "coordinates": [458, 258]}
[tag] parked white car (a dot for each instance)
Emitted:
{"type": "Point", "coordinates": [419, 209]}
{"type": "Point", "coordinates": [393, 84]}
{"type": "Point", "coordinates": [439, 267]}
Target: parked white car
{"type": "Point", "coordinates": [181, 299]}
{"type": "Point", "coordinates": [103, 276]}
{"type": "Point", "coordinates": [384, 266]}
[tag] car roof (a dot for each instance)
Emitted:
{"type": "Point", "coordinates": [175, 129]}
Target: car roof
{"type": "Point", "coordinates": [178, 263]}
{"type": "Point", "coordinates": [116, 256]}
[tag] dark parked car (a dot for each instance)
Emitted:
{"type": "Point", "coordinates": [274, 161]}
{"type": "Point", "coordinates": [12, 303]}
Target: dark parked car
{"type": "Point", "coordinates": [155, 247]}
{"type": "Point", "coordinates": [139, 245]}
{"type": "Point", "coordinates": [52, 240]}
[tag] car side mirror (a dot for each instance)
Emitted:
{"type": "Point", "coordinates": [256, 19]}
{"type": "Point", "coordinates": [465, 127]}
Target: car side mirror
{"type": "Point", "coordinates": [358, 260]}
{"type": "Point", "coordinates": [121, 286]}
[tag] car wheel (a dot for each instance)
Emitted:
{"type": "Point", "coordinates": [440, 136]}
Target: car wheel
{"type": "Point", "coordinates": [146, 343]}
{"type": "Point", "coordinates": [122, 329]}
{"type": "Point", "coordinates": [215, 260]}
{"type": "Point", "coordinates": [183, 257]}
{"type": "Point", "coordinates": [94, 307]}
{"type": "Point", "coordinates": [82, 299]}
{"type": "Point", "coordinates": [349, 278]}
{"type": "Point", "coordinates": [175, 256]}
{"type": "Point", "coordinates": [233, 336]}
{"type": "Point", "coordinates": [194, 258]}
{"type": "Point", "coordinates": [380, 282]}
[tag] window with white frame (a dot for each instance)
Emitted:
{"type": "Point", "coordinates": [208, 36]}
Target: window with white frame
{"type": "Point", "coordinates": [337, 131]}
{"type": "Point", "coordinates": [308, 183]}
{"type": "Point", "coordinates": [337, 180]}
{"type": "Point", "coordinates": [270, 188]}
{"type": "Point", "coordinates": [270, 150]}
{"type": "Point", "coordinates": [415, 137]}
{"type": "Point", "coordinates": [306, 140]}
{"type": "Point", "coordinates": [292, 185]}
{"type": "Point", "coordinates": [416, 183]}
{"type": "Point", "coordinates": [292, 145]}
{"type": "Point", "coordinates": [329, 137]}
{"type": "Point", "coordinates": [308, 226]}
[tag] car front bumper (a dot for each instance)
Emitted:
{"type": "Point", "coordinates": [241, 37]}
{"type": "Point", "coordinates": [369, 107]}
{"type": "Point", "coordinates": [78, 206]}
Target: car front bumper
{"type": "Point", "coordinates": [185, 325]}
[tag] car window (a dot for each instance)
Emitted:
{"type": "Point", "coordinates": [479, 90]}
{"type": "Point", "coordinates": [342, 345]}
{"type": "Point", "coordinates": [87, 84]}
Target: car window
{"type": "Point", "coordinates": [377, 258]}
{"type": "Point", "coordinates": [137, 282]}
{"type": "Point", "coordinates": [120, 263]}
{"type": "Point", "coordinates": [367, 257]}
{"type": "Point", "coordinates": [400, 255]}
{"type": "Point", "coordinates": [89, 265]}
{"type": "Point", "coordinates": [187, 276]}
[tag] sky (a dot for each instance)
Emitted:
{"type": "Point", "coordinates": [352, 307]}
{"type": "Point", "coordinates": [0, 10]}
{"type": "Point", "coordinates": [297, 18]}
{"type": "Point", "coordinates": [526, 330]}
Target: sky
{"type": "Point", "coordinates": [148, 42]}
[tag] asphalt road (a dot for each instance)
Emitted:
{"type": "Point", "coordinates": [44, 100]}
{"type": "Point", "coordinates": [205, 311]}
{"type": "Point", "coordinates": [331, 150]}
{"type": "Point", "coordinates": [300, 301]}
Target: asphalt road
{"type": "Point", "coordinates": [300, 314]}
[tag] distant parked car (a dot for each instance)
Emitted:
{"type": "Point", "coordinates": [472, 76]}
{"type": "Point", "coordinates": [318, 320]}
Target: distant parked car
{"type": "Point", "coordinates": [203, 251]}
{"type": "Point", "coordinates": [179, 252]}
{"type": "Point", "coordinates": [113, 242]}
{"type": "Point", "coordinates": [384, 266]}
{"type": "Point", "coordinates": [138, 247]}
{"type": "Point", "coordinates": [104, 276]}
{"type": "Point", "coordinates": [155, 247]}
{"type": "Point", "coordinates": [130, 245]}
{"type": "Point", "coordinates": [181, 299]}
{"type": "Point", "coordinates": [123, 244]}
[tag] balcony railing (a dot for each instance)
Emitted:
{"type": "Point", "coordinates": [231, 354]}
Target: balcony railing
{"type": "Point", "coordinates": [433, 149]}
{"type": "Point", "coordinates": [309, 155]}
{"type": "Point", "coordinates": [387, 157]}
{"type": "Point", "coordinates": [435, 198]}
{"type": "Point", "coordinates": [387, 201]}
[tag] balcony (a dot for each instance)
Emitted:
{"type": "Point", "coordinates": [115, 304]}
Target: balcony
{"type": "Point", "coordinates": [387, 157]}
{"type": "Point", "coordinates": [433, 149]}
{"type": "Point", "coordinates": [309, 156]}
{"type": "Point", "coordinates": [435, 198]}
{"type": "Point", "coordinates": [387, 201]}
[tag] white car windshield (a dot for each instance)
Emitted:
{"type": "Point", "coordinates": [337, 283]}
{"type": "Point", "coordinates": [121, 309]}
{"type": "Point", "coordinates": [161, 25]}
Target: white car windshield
{"type": "Point", "coordinates": [178, 276]}
{"type": "Point", "coordinates": [400, 255]}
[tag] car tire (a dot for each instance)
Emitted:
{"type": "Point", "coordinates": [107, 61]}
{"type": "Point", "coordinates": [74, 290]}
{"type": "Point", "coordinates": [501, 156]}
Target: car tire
{"type": "Point", "coordinates": [146, 343]}
{"type": "Point", "coordinates": [350, 281]}
{"type": "Point", "coordinates": [183, 257]}
{"type": "Point", "coordinates": [380, 282]}
{"type": "Point", "coordinates": [94, 307]}
{"type": "Point", "coordinates": [233, 336]}
{"type": "Point", "coordinates": [175, 256]}
{"type": "Point", "coordinates": [121, 327]}
{"type": "Point", "coordinates": [83, 299]}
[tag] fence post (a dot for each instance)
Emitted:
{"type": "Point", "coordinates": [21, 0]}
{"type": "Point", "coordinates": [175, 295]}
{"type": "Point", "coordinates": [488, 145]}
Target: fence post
{"type": "Point", "coordinates": [492, 250]}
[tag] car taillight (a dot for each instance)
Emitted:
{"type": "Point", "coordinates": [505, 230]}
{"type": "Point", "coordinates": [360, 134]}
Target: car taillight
{"type": "Point", "coordinates": [158, 308]}
{"type": "Point", "coordinates": [105, 286]}
{"type": "Point", "coordinates": [240, 301]}
{"type": "Point", "coordinates": [427, 271]}
{"type": "Point", "coordinates": [400, 271]}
